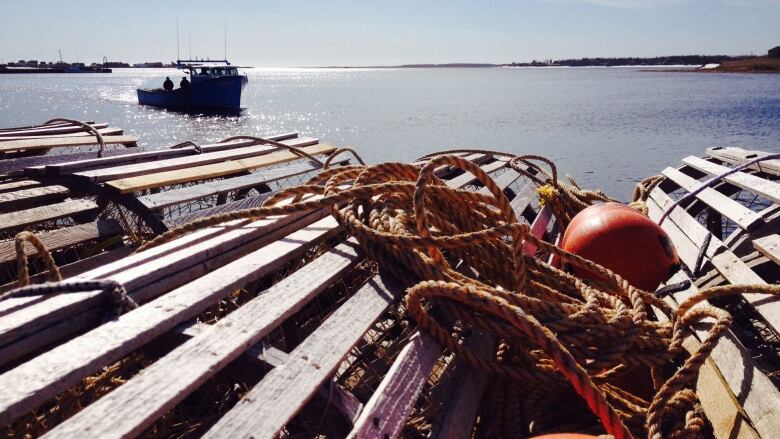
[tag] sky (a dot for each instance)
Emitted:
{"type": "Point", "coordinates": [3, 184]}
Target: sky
{"type": "Point", "coordinates": [354, 33]}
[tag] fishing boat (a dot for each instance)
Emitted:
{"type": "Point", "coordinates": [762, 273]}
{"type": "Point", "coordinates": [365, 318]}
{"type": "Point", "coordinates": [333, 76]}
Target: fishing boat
{"type": "Point", "coordinates": [213, 85]}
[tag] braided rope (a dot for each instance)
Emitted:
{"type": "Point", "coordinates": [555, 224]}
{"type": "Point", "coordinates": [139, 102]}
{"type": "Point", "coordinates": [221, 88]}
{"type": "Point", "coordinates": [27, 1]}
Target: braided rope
{"type": "Point", "coordinates": [560, 335]}
{"type": "Point", "coordinates": [22, 263]}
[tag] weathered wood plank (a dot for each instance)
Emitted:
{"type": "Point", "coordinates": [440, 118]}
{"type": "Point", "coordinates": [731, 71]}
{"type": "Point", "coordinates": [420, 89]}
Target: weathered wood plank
{"type": "Point", "coordinates": [76, 268]}
{"type": "Point", "coordinates": [145, 275]}
{"type": "Point", "coordinates": [752, 388]}
{"type": "Point", "coordinates": [724, 260]}
{"type": "Point", "coordinates": [161, 200]}
{"type": "Point", "coordinates": [144, 156]}
{"type": "Point", "coordinates": [745, 218]}
{"type": "Point", "coordinates": [461, 414]}
{"type": "Point", "coordinates": [20, 184]}
{"type": "Point", "coordinates": [737, 156]}
{"type": "Point", "coordinates": [141, 182]}
{"type": "Point", "coordinates": [467, 177]}
{"type": "Point", "coordinates": [65, 237]}
{"type": "Point", "coordinates": [13, 220]}
{"type": "Point", "coordinates": [503, 181]}
{"type": "Point", "coordinates": [752, 183]}
{"type": "Point", "coordinates": [189, 161]}
{"type": "Point", "coordinates": [27, 196]}
{"type": "Point", "coordinates": [51, 130]}
{"type": "Point", "coordinates": [148, 395]}
{"type": "Point", "coordinates": [728, 418]}
{"type": "Point", "coordinates": [51, 142]}
{"type": "Point", "coordinates": [385, 413]}
{"type": "Point", "coordinates": [36, 165]}
{"type": "Point", "coordinates": [769, 246]}
{"type": "Point", "coordinates": [110, 131]}
{"type": "Point", "coordinates": [282, 392]}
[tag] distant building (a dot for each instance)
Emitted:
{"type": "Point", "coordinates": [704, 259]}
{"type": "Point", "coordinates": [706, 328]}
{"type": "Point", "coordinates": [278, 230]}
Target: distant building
{"type": "Point", "coordinates": [774, 52]}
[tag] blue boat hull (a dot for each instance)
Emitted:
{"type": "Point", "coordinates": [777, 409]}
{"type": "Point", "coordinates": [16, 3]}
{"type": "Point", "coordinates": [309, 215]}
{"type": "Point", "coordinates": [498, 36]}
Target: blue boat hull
{"type": "Point", "coordinates": [221, 93]}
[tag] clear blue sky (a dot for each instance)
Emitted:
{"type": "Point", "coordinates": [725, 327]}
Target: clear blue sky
{"type": "Point", "coordinates": [315, 33]}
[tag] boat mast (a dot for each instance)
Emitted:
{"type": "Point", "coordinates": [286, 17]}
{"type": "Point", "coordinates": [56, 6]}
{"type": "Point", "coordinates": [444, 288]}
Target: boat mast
{"type": "Point", "coordinates": [225, 40]}
{"type": "Point", "coordinates": [178, 57]}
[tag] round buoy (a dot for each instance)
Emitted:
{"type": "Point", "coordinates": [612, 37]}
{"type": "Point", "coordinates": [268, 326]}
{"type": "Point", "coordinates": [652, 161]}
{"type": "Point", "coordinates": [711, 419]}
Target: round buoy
{"type": "Point", "coordinates": [620, 238]}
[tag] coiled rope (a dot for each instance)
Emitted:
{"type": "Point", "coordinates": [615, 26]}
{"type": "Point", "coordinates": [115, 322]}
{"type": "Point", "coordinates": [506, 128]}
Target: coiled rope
{"type": "Point", "coordinates": [558, 335]}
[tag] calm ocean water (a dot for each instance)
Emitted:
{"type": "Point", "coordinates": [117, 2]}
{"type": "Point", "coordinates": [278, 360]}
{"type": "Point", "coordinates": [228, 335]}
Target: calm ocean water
{"type": "Point", "coordinates": [607, 127]}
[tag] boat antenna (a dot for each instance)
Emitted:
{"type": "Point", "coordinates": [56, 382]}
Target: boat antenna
{"type": "Point", "coordinates": [178, 57]}
{"type": "Point", "coordinates": [189, 42]}
{"type": "Point", "coordinates": [225, 39]}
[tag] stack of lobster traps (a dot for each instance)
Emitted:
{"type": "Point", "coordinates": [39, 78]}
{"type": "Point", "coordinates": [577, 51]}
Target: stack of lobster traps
{"type": "Point", "coordinates": [282, 326]}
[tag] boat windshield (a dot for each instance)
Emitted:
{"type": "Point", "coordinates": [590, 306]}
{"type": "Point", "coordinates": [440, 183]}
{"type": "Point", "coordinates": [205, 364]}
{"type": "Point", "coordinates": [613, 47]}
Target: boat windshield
{"type": "Point", "coordinates": [215, 71]}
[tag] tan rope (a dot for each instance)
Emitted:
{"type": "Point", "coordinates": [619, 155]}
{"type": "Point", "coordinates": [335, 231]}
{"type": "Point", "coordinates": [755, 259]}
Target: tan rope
{"type": "Point", "coordinates": [558, 333]}
{"type": "Point", "coordinates": [22, 263]}
{"type": "Point", "coordinates": [89, 128]}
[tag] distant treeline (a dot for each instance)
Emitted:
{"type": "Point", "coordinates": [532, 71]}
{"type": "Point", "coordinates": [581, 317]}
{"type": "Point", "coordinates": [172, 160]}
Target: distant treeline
{"type": "Point", "coordinates": [655, 61]}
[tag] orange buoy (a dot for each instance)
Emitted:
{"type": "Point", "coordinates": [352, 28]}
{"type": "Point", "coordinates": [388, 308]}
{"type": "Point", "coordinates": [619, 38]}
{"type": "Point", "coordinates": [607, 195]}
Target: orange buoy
{"type": "Point", "coordinates": [620, 238]}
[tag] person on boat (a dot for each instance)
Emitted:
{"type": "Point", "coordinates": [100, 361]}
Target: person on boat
{"type": "Point", "coordinates": [184, 83]}
{"type": "Point", "coordinates": [168, 84]}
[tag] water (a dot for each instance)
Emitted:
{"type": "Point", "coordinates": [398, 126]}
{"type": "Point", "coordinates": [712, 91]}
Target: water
{"type": "Point", "coordinates": [607, 127]}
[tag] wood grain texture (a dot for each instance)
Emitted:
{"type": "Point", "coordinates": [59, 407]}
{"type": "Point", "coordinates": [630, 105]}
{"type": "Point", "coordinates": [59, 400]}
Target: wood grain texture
{"type": "Point", "coordinates": [683, 226]}
{"type": "Point", "coordinates": [745, 218]}
{"type": "Point", "coordinates": [724, 412]}
{"type": "Point", "coordinates": [752, 388]}
{"type": "Point", "coordinates": [65, 237]}
{"type": "Point", "coordinates": [461, 415]}
{"type": "Point", "coordinates": [35, 215]}
{"type": "Point", "coordinates": [176, 163]}
{"type": "Point", "coordinates": [467, 177]}
{"type": "Point", "coordinates": [25, 197]}
{"type": "Point", "coordinates": [384, 415]}
{"type": "Point", "coordinates": [148, 395]}
{"type": "Point", "coordinates": [51, 142]}
{"type": "Point", "coordinates": [134, 184]}
{"type": "Point", "coordinates": [737, 156]}
{"type": "Point", "coordinates": [18, 184]}
{"type": "Point", "coordinates": [145, 156]}
{"type": "Point", "coordinates": [51, 130]}
{"type": "Point", "coordinates": [752, 183]}
{"type": "Point", "coordinates": [769, 246]}
{"type": "Point", "coordinates": [108, 131]}
{"type": "Point", "coordinates": [282, 393]}
{"type": "Point", "coordinates": [148, 274]}
{"type": "Point", "coordinates": [173, 197]}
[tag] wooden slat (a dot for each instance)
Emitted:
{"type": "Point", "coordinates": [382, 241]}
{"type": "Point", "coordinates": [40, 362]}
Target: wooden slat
{"type": "Point", "coordinates": [81, 165]}
{"type": "Point", "coordinates": [76, 268]}
{"type": "Point", "coordinates": [461, 414]}
{"type": "Point", "coordinates": [13, 220]}
{"type": "Point", "coordinates": [725, 262]}
{"type": "Point", "coordinates": [156, 166]}
{"type": "Point", "coordinates": [65, 237]}
{"type": "Point", "coordinates": [51, 130]}
{"type": "Point", "coordinates": [752, 388]}
{"type": "Point", "coordinates": [745, 218]}
{"type": "Point", "coordinates": [503, 181]}
{"type": "Point", "coordinates": [467, 177]}
{"type": "Point", "coordinates": [384, 415]}
{"type": "Point", "coordinates": [22, 197]}
{"type": "Point", "coordinates": [134, 184]}
{"type": "Point", "coordinates": [36, 165]}
{"type": "Point", "coordinates": [756, 185]}
{"type": "Point", "coordinates": [148, 395]}
{"type": "Point", "coordinates": [46, 143]}
{"type": "Point", "coordinates": [110, 131]}
{"type": "Point", "coordinates": [769, 246]}
{"type": "Point", "coordinates": [280, 394]}
{"type": "Point", "coordinates": [19, 184]}
{"type": "Point", "coordinates": [725, 413]}
{"type": "Point", "coordinates": [145, 275]}
{"type": "Point", "coordinates": [164, 199]}
{"type": "Point", "coordinates": [737, 156]}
